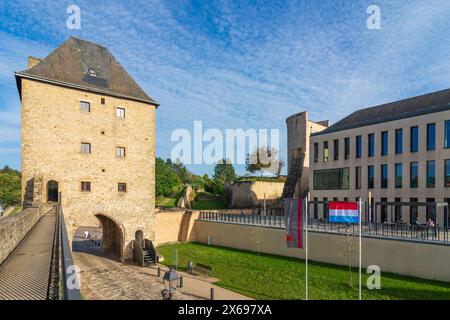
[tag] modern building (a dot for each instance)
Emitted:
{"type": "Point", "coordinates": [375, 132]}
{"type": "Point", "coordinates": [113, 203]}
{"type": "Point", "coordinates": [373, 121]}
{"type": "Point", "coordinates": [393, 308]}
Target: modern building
{"type": "Point", "coordinates": [88, 132]}
{"type": "Point", "coordinates": [299, 128]}
{"type": "Point", "coordinates": [396, 152]}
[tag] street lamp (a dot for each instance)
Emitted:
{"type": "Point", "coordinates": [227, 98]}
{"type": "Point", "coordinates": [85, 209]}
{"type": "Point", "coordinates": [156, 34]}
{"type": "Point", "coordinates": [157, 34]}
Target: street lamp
{"type": "Point", "coordinates": [170, 279]}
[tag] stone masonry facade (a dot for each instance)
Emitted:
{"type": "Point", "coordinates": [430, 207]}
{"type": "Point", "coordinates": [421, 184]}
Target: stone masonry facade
{"type": "Point", "coordinates": [53, 129]}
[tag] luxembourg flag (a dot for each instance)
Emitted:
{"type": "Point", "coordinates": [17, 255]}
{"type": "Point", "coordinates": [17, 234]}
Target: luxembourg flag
{"type": "Point", "coordinates": [344, 212]}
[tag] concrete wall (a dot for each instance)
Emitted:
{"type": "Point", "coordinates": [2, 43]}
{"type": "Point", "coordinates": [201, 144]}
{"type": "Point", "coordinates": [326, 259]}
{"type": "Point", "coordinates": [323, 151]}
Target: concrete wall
{"type": "Point", "coordinates": [299, 128]}
{"type": "Point", "coordinates": [416, 259]}
{"type": "Point", "coordinates": [249, 194]}
{"type": "Point", "coordinates": [53, 128]}
{"type": "Point", "coordinates": [174, 225]}
{"type": "Point", "coordinates": [439, 192]}
{"type": "Point", "coordinates": [13, 230]}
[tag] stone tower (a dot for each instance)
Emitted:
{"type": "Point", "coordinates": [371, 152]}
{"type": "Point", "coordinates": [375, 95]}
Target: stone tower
{"type": "Point", "coordinates": [88, 133]}
{"type": "Point", "coordinates": [299, 128]}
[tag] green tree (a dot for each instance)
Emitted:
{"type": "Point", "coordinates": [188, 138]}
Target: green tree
{"type": "Point", "coordinates": [264, 160]}
{"type": "Point", "coordinates": [167, 180]}
{"type": "Point", "coordinates": [10, 187]}
{"type": "Point", "coordinates": [223, 172]}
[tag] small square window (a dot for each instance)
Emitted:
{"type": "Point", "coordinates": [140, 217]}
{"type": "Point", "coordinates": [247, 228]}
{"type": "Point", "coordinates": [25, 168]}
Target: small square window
{"type": "Point", "coordinates": [85, 147]}
{"type": "Point", "coordinates": [120, 152]}
{"type": "Point", "coordinates": [120, 112]}
{"type": "Point", "coordinates": [85, 186]}
{"type": "Point", "coordinates": [102, 101]}
{"type": "Point", "coordinates": [122, 187]}
{"type": "Point", "coordinates": [85, 106]}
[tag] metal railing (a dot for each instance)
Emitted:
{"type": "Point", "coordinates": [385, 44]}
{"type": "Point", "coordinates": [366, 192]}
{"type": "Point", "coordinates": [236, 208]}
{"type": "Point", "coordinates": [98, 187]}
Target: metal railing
{"type": "Point", "coordinates": [64, 281]}
{"type": "Point", "coordinates": [395, 231]}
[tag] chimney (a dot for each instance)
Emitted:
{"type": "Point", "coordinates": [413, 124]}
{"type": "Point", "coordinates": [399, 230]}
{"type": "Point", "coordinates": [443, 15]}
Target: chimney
{"type": "Point", "coordinates": [32, 61]}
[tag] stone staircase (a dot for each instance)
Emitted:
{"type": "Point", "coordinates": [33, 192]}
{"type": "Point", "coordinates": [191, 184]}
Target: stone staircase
{"type": "Point", "coordinates": [295, 174]}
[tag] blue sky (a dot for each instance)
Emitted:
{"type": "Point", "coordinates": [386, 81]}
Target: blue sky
{"type": "Point", "coordinates": [238, 64]}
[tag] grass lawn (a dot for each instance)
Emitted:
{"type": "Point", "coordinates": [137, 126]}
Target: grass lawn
{"type": "Point", "coordinates": [275, 277]}
{"type": "Point", "coordinates": [210, 204]}
{"type": "Point", "coordinates": [170, 202]}
{"type": "Point", "coordinates": [208, 201]}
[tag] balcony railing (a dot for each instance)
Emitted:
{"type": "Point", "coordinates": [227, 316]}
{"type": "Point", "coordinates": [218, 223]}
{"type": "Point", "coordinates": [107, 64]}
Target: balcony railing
{"type": "Point", "coordinates": [394, 231]}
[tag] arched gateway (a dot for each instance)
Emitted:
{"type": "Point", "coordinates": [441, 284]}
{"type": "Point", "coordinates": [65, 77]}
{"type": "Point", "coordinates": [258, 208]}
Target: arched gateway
{"type": "Point", "coordinates": [113, 236]}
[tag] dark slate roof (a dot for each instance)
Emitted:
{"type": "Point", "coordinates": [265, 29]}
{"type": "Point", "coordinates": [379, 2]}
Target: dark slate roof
{"type": "Point", "coordinates": [87, 66]}
{"type": "Point", "coordinates": [428, 103]}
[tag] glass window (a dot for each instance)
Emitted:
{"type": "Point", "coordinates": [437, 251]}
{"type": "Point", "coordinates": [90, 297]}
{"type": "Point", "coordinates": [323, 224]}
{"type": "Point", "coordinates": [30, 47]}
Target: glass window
{"type": "Point", "coordinates": [346, 148]}
{"type": "Point", "coordinates": [325, 151]}
{"type": "Point", "coordinates": [85, 186]}
{"type": "Point", "coordinates": [413, 211]}
{"type": "Point", "coordinates": [336, 149]}
{"type": "Point", "coordinates": [120, 152]}
{"type": "Point", "coordinates": [331, 179]}
{"type": "Point", "coordinates": [358, 146]}
{"type": "Point", "coordinates": [447, 174]}
{"type": "Point", "coordinates": [431, 174]}
{"type": "Point", "coordinates": [414, 139]}
{"type": "Point", "coordinates": [398, 141]}
{"type": "Point", "coordinates": [326, 208]}
{"type": "Point", "coordinates": [316, 152]}
{"type": "Point", "coordinates": [431, 136]}
{"type": "Point", "coordinates": [447, 134]}
{"type": "Point", "coordinates": [371, 150]}
{"type": "Point", "coordinates": [384, 143]}
{"type": "Point", "coordinates": [398, 175]}
{"type": "Point", "coordinates": [398, 210]}
{"type": "Point", "coordinates": [85, 106]}
{"type": "Point", "coordinates": [414, 175]}
{"type": "Point", "coordinates": [120, 112]}
{"type": "Point", "coordinates": [122, 187]}
{"type": "Point", "coordinates": [357, 177]}
{"type": "Point", "coordinates": [384, 210]}
{"type": "Point", "coordinates": [85, 147]}
{"type": "Point", "coordinates": [370, 177]}
{"type": "Point", "coordinates": [431, 210]}
{"type": "Point", "coordinates": [384, 176]}
{"type": "Point", "coordinates": [316, 208]}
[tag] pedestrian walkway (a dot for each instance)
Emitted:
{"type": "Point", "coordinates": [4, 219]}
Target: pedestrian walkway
{"type": "Point", "coordinates": [104, 278]}
{"type": "Point", "coordinates": [24, 275]}
{"type": "Point", "coordinates": [200, 286]}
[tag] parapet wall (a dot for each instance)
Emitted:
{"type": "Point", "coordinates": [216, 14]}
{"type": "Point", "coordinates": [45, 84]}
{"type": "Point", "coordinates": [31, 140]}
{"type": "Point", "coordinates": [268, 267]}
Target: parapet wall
{"type": "Point", "coordinates": [14, 229]}
{"type": "Point", "coordinates": [251, 194]}
{"type": "Point", "coordinates": [417, 259]}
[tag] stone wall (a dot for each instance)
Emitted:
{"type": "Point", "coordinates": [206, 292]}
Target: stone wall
{"type": "Point", "coordinates": [250, 194]}
{"type": "Point", "coordinates": [14, 229]}
{"type": "Point", "coordinates": [299, 128]}
{"type": "Point", "coordinates": [174, 225]}
{"type": "Point", "coordinates": [417, 259]}
{"type": "Point", "coordinates": [53, 128]}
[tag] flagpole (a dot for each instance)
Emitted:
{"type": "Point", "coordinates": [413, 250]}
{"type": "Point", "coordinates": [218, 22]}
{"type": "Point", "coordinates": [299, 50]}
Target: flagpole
{"type": "Point", "coordinates": [360, 242]}
{"type": "Point", "coordinates": [306, 247]}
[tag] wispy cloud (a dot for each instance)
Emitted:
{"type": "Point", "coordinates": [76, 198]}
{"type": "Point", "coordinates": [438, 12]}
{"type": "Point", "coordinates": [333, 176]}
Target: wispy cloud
{"type": "Point", "coordinates": [244, 64]}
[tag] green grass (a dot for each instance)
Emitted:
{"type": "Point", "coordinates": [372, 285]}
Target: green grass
{"type": "Point", "coordinates": [275, 277]}
{"type": "Point", "coordinates": [166, 202]}
{"type": "Point", "coordinates": [208, 201]}
{"type": "Point", "coordinates": [210, 204]}
{"type": "Point", "coordinates": [170, 202]}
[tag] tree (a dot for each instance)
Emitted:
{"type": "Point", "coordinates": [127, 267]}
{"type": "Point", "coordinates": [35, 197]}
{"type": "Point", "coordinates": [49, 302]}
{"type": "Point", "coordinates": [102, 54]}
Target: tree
{"type": "Point", "coordinates": [223, 172]}
{"type": "Point", "coordinates": [264, 160]}
{"type": "Point", "coordinates": [167, 181]}
{"type": "Point", "coordinates": [10, 187]}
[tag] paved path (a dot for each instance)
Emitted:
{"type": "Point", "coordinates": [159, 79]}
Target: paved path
{"type": "Point", "coordinates": [24, 275]}
{"type": "Point", "coordinates": [103, 278]}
